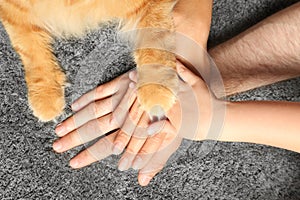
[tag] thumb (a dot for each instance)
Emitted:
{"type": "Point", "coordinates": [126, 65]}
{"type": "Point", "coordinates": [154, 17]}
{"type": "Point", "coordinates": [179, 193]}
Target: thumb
{"type": "Point", "coordinates": [186, 75]}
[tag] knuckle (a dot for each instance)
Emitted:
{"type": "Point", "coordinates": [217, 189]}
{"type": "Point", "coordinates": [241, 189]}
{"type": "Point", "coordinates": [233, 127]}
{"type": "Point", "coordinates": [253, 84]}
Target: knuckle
{"type": "Point", "coordinates": [156, 139]}
{"type": "Point", "coordinates": [106, 146]}
{"type": "Point", "coordinates": [123, 135]}
{"type": "Point", "coordinates": [141, 133]}
{"type": "Point", "coordinates": [131, 150]}
{"type": "Point", "coordinates": [90, 96]}
{"type": "Point", "coordinates": [144, 152]}
{"type": "Point", "coordinates": [135, 115]}
{"type": "Point", "coordinates": [89, 131]}
{"type": "Point", "coordinates": [99, 89]}
{"type": "Point", "coordinates": [114, 121]}
{"type": "Point", "coordinates": [92, 126]}
{"type": "Point", "coordinates": [100, 149]}
{"type": "Point", "coordinates": [91, 109]}
{"type": "Point", "coordinates": [103, 106]}
{"type": "Point", "coordinates": [198, 86]}
{"type": "Point", "coordinates": [88, 156]}
{"type": "Point", "coordinates": [75, 138]}
{"type": "Point", "coordinates": [98, 109]}
{"type": "Point", "coordinates": [128, 128]}
{"type": "Point", "coordinates": [71, 122]}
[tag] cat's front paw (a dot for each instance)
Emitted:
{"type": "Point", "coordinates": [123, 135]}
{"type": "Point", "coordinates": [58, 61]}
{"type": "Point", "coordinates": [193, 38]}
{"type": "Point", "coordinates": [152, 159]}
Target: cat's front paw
{"type": "Point", "coordinates": [156, 100]}
{"type": "Point", "coordinates": [46, 102]}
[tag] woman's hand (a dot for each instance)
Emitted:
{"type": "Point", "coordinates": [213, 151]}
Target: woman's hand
{"type": "Point", "coordinates": [94, 118]}
{"type": "Point", "coordinates": [97, 115]}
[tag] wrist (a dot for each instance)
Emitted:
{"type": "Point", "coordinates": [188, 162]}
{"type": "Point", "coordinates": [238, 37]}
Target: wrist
{"type": "Point", "coordinates": [210, 118]}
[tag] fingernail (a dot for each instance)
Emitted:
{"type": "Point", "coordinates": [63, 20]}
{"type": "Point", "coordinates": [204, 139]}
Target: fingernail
{"type": "Point", "coordinates": [60, 129]}
{"type": "Point", "coordinates": [57, 146]}
{"type": "Point", "coordinates": [131, 85]}
{"type": "Point", "coordinates": [75, 106]}
{"type": "Point", "coordinates": [137, 163]}
{"type": "Point", "coordinates": [74, 163]}
{"type": "Point", "coordinates": [118, 148]}
{"type": "Point", "coordinates": [145, 180]}
{"type": "Point", "coordinates": [123, 164]}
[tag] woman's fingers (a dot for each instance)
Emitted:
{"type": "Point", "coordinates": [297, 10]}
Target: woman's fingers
{"type": "Point", "coordinates": [122, 109]}
{"type": "Point", "coordinates": [158, 160]}
{"type": "Point", "coordinates": [92, 111]}
{"type": "Point", "coordinates": [131, 119]}
{"type": "Point", "coordinates": [163, 132]}
{"type": "Point", "coordinates": [136, 142]}
{"type": "Point", "coordinates": [89, 131]}
{"type": "Point", "coordinates": [124, 98]}
{"type": "Point", "coordinates": [101, 92]}
{"type": "Point", "coordinates": [98, 151]}
{"type": "Point", "coordinates": [145, 154]}
{"type": "Point", "coordinates": [127, 129]}
{"type": "Point", "coordinates": [130, 153]}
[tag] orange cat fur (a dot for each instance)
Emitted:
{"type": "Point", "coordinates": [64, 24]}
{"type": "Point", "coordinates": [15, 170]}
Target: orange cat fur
{"type": "Point", "coordinates": [31, 25]}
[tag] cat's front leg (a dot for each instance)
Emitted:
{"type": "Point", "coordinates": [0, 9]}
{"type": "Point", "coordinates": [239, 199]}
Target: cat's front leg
{"type": "Point", "coordinates": [157, 78]}
{"type": "Point", "coordinates": [45, 80]}
{"type": "Point", "coordinates": [157, 81]}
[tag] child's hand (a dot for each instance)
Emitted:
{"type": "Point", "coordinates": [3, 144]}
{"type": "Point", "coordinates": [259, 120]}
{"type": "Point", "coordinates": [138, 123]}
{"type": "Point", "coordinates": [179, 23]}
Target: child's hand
{"type": "Point", "coordinates": [190, 118]}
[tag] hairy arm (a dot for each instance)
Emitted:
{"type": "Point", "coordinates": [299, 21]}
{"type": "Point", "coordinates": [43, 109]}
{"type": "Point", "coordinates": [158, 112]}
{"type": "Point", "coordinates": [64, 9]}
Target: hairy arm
{"type": "Point", "coordinates": [266, 53]}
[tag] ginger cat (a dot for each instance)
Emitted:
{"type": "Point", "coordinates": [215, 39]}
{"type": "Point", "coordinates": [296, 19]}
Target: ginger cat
{"type": "Point", "coordinates": [31, 25]}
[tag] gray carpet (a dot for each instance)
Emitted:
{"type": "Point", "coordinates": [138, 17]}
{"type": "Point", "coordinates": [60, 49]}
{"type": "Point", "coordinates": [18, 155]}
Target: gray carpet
{"type": "Point", "coordinates": [31, 170]}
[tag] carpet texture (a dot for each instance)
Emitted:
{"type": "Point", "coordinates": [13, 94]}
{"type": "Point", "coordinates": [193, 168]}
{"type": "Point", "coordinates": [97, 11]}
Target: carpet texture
{"type": "Point", "coordinates": [29, 169]}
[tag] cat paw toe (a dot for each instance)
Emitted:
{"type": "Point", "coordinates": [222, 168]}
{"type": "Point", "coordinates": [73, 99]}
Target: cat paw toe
{"type": "Point", "coordinates": [156, 100]}
{"type": "Point", "coordinates": [47, 104]}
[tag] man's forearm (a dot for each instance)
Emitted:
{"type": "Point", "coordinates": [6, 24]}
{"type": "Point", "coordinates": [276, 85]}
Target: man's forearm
{"type": "Point", "coordinates": [264, 54]}
{"type": "Point", "coordinates": [270, 123]}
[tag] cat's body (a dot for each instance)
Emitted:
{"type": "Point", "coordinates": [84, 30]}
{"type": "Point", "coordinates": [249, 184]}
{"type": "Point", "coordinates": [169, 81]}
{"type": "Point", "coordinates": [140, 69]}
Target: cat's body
{"type": "Point", "coordinates": [31, 24]}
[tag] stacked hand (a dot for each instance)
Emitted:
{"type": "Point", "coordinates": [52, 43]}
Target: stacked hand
{"type": "Point", "coordinates": [113, 107]}
{"type": "Point", "coordinates": [148, 147]}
